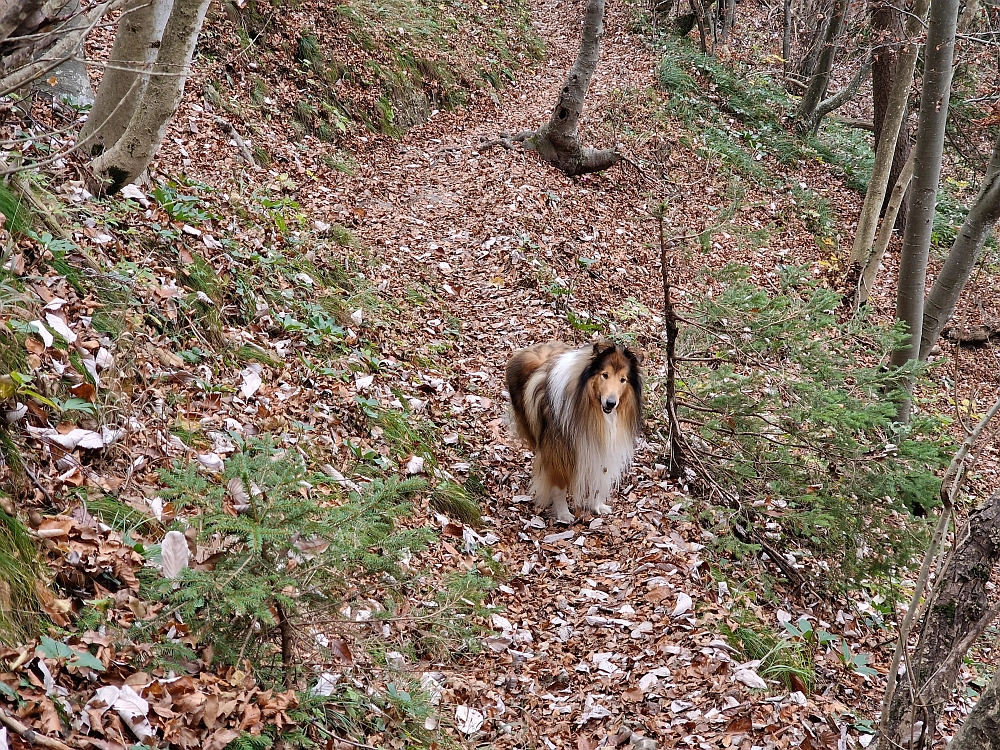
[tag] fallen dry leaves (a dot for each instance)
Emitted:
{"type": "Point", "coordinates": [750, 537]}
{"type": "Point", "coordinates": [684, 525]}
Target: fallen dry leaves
{"type": "Point", "coordinates": [607, 634]}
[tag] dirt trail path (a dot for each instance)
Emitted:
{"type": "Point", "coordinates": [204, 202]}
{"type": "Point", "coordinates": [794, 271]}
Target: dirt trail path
{"type": "Point", "coordinates": [597, 637]}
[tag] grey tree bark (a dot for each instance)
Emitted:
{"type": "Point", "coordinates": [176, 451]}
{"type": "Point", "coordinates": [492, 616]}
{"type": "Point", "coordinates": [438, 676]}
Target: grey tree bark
{"type": "Point", "coordinates": [984, 213]}
{"type": "Point", "coordinates": [137, 41]}
{"type": "Point", "coordinates": [888, 24]}
{"type": "Point", "coordinates": [558, 140]}
{"type": "Point", "coordinates": [895, 113]}
{"type": "Point", "coordinates": [957, 612]}
{"type": "Point", "coordinates": [820, 80]}
{"type": "Point", "coordinates": [66, 42]}
{"type": "Point", "coordinates": [128, 158]}
{"type": "Point", "coordinates": [981, 728]}
{"type": "Point", "coordinates": [884, 235]}
{"type": "Point", "coordinates": [939, 54]}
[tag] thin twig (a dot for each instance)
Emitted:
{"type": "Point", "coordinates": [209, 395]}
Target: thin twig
{"type": "Point", "coordinates": [30, 735]}
{"type": "Point", "coordinates": [950, 484]}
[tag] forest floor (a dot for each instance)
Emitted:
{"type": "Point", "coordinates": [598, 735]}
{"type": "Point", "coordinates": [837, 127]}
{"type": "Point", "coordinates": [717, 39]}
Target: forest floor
{"type": "Point", "coordinates": [611, 629]}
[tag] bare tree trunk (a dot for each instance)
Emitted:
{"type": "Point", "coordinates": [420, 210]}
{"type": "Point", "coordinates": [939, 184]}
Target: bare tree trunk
{"type": "Point", "coordinates": [884, 235]}
{"type": "Point", "coordinates": [813, 97]}
{"type": "Point", "coordinates": [127, 159]}
{"type": "Point", "coordinates": [558, 141]}
{"type": "Point", "coordinates": [956, 614]}
{"type": "Point", "coordinates": [940, 303]}
{"type": "Point", "coordinates": [981, 728]}
{"type": "Point", "coordinates": [887, 23]}
{"type": "Point", "coordinates": [810, 60]}
{"type": "Point", "coordinates": [70, 38]}
{"type": "Point", "coordinates": [892, 129]}
{"type": "Point", "coordinates": [786, 38]}
{"type": "Point", "coordinates": [939, 54]}
{"type": "Point", "coordinates": [137, 42]}
{"type": "Point", "coordinates": [728, 8]}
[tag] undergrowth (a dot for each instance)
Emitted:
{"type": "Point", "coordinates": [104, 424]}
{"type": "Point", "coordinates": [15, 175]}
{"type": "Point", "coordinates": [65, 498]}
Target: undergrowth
{"type": "Point", "coordinates": [735, 115]}
{"type": "Point", "coordinates": [790, 413]}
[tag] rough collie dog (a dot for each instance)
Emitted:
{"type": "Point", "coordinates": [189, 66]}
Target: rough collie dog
{"type": "Point", "coordinates": [580, 411]}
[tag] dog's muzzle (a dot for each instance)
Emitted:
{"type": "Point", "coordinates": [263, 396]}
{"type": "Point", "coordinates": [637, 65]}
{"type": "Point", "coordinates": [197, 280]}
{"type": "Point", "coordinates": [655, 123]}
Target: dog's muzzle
{"type": "Point", "coordinates": [609, 405]}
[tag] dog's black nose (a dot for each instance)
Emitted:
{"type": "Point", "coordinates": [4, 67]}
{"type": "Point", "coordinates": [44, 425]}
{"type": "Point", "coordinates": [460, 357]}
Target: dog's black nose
{"type": "Point", "coordinates": [610, 404]}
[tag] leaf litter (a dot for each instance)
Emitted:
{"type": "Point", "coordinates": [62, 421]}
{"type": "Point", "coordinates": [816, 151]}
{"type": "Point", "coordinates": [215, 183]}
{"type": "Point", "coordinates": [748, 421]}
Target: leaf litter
{"type": "Point", "coordinates": [607, 633]}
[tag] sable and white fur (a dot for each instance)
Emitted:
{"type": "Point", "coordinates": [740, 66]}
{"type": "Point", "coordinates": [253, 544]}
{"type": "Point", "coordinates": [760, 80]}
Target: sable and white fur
{"type": "Point", "coordinates": [580, 411]}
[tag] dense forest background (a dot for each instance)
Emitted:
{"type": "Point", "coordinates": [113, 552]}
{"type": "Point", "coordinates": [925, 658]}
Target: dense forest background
{"type": "Point", "coordinates": [263, 264]}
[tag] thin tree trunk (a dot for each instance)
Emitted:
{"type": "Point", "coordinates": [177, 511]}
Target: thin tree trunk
{"type": "Point", "coordinates": [786, 38]}
{"type": "Point", "coordinates": [70, 41]}
{"type": "Point", "coordinates": [956, 614]}
{"type": "Point", "coordinates": [820, 80]}
{"type": "Point", "coordinates": [884, 157]}
{"type": "Point", "coordinates": [137, 41]}
{"type": "Point", "coordinates": [810, 60]}
{"type": "Point", "coordinates": [939, 54]}
{"type": "Point", "coordinates": [981, 728]}
{"type": "Point", "coordinates": [864, 287]}
{"type": "Point", "coordinates": [887, 22]}
{"type": "Point", "coordinates": [699, 16]}
{"type": "Point", "coordinates": [558, 141]}
{"type": "Point", "coordinates": [125, 162]}
{"type": "Point", "coordinates": [940, 303]}
{"type": "Point", "coordinates": [841, 98]}
{"type": "Point", "coordinates": [728, 18]}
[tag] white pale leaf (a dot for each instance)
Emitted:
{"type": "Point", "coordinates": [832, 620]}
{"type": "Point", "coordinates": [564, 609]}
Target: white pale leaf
{"type": "Point", "coordinates": [43, 332]}
{"type": "Point", "coordinates": [133, 710]}
{"type": "Point", "coordinates": [56, 303]}
{"type": "Point", "coordinates": [58, 325]}
{"type": "Point", "coordinates": [684, 604]}
{"type": "Point", "coordinates": [559, 537]}
{"type": "Point", "coordinates": [78, 438]}
{"type": "Point", "coordinates": [3, 739]}
{"type": "Point", "coordinates": [133, 192]}
{"type": "Point", "coordinates": [251, 382]}
{"type": "Point", "coordinates": [364, 383]}
{"type": "Point", "coordinates": [415, 465]}
{"type": "Point", "coordinates": [502, 623]}
{"type": "Point", "coordinates": [648, 682]}
{"type": "Point", "coordinates": [358, 316]}
{"type": "Point", "coordinates": [325, 684]}
{"type": "Point", "coordinates": [468, 720]}
{"type": "Point", "coordinates": [212, 461]}
{"type": "Point", "coordinates": [174, 554]}
{"type": "Point", "coordinates": [750, 678]}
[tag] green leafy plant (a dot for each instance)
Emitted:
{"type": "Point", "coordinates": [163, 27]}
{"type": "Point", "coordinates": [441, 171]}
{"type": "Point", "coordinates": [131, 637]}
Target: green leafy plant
{"type": "Point", "coordinates": [282, 555]}
{"type": "Point", "coordinates": [791, 414]}
{"type": "Point", "coordinates": [73, 657]}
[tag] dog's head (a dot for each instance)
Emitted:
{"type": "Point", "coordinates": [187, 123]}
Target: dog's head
{"type": "Point", "coordinates": [613, 374]}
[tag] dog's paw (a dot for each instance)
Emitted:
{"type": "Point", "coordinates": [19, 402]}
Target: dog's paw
{"type": "Point", "coordinates": [563, 516]}
{"type": "Point", "coordinates": [602, 510]}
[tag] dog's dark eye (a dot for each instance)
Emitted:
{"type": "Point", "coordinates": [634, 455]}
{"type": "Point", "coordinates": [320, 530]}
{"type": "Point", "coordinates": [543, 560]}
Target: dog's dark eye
{"type": "Point", "coordinates": [604, 375]}
{"type": "Point", "coordinates": [623, 380]}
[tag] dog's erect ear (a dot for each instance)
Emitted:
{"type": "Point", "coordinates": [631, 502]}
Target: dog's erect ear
{"type": "Point", "coordinates": [637, 356]}
{"type": "Point", "coordinates": [602, 346]}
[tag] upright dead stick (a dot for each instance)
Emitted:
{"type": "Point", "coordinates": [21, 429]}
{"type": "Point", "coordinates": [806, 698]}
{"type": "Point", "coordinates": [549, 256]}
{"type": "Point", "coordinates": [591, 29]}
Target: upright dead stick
{"type": "Point", "coordinates": [676, 463]}
{"type": "Point", "coordinates": [950, 483]}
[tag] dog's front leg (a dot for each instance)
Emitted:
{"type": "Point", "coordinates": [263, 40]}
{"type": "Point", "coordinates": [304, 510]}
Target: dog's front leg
{"type": "Point", "coordinates": [560, 508]}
